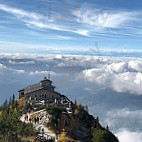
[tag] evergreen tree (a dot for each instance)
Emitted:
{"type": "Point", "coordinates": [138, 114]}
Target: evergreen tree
{"type": "Point", "coordinates": [5, 105]}
{"type": "Point", "coordinates": [16, 104]}
{"type": "Point", "coordinates": [10, 101]}
{"type": "Point", "coordinates": [75, 102]}
{"type": "Point", "coordinates": [107, 128]}
{"type": "Point", "coordinates": [103, 136]}
{"type": "Point", "coordinates": [13, 99]}
{"type": "Point", "coordinates": [97, 122]}
{"type": "Point", "coordinates": [86, 108]}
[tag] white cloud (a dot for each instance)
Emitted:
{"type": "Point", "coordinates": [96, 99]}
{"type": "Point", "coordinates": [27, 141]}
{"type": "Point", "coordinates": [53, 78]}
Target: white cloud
{"type": "Point", "coordinates": [118, 67]}
{"type": "Point", "coordinates": [125, 113]}
{"type": "Point", "coordinates": [4, 69]}
{"type": "Point", "coordinates": [46, 25]}
{"type": "Point", "coordinates": [85, 22]}
{"type": "Point", "coordinates": [122, 82]}
{"type": "Point", "coordinates": [2, 66]}
{"type": "Point", "coordinates": [125, 135]}
{"type": "Point", "coordinates": [26, 62]}
{"type": "Point", "coordinates": [39, 21]}
{"type": "Point", "coordinates": [121, 76]}
{"type": "Point", "coordinates": [117, 74]}
{"type": "Point", "coordinates": [116, 20]}
{"type": "Point", "coordinates": [19, 71]}
{"type": "Point", "coordinates": [107, 19]}
{"type": "Point", "coordinates": [125, 117]}
{"type": "Point", "coordinates": [82, 32]}
{"type": "Point", "coordinates": [136, 65]}
{"type": "Point", "coordinates": [20, 13]}
{"type": "Point", "coordinates": [42, 73]}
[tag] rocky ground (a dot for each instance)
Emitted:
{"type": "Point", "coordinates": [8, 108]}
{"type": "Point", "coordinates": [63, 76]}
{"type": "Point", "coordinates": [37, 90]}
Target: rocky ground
{"type": "Point", "coordinates": [41, 126]}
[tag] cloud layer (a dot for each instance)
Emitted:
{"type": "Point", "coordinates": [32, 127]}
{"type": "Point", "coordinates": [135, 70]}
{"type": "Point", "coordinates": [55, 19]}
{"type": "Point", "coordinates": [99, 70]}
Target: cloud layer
{"type": "Point", "coordinates": [121, 76]}
{"type": "Point", "coordinates": [118, 75]}
{"type": "Point", "coordinates": [111, 87]}
{"type": "Point", "coordinates": [125, 135]}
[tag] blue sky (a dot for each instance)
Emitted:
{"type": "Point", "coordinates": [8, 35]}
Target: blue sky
{"type": "Point", "coordinates": [30, 26]}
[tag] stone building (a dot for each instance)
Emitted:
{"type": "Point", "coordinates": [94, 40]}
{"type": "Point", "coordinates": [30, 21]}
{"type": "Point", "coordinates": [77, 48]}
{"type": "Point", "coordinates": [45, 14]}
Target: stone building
{"type": "Point", "coordinates": [44, 90]}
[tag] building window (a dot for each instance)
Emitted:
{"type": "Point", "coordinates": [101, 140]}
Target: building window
{"type": "Point", "coordinates": [22, 94]}
{"type": "Point", "coordinates": [36, 96]}
{"type": "Point", "coordinates": [42, 96]}
{"type": "Point", "coordinates": [45, 96]}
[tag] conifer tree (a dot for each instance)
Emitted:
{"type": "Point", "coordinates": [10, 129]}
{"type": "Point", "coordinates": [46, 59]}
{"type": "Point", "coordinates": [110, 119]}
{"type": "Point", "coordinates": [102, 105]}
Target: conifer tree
{"type": "Point", "coordinates": [97, 122]}
{"type": "Point", "coordinates": [10, 101]}
{"type": "Point", "coordinates": [13, 99]}
{"type": "Point", "coordinates": [5, 104]}
{"type": "Point", "coordinates": [107, 128]}
{"type": "Point", "coordinates": [75, 102]}
{"type": "Point", "coordinates": [86, 108]}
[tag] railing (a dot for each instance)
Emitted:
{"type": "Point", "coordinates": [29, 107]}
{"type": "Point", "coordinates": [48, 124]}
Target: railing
{"type": "Point", "coordinates": [47, 138]}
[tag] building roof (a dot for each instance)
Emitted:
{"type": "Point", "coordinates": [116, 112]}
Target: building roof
{"type": "Point", "coordinates": [36, 87]}
{"type": "Point", "coordinates": [33, 88]}
{"type": "Point", "coordinates": [45, 79]}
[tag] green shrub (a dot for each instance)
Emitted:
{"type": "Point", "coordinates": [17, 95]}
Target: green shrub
{"type": "Point", "coordinates": [41, 107]}
{"type": "Point", "coordinates": [11, 124]}
{"type": "Point", "coordinates": [56, 112]}
{"type": "Point", "coordinates": [103, 136]}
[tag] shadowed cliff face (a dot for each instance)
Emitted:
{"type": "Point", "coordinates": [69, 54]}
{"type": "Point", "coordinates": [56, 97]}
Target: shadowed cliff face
{"type": "Point", "coordinates": [79, 125]}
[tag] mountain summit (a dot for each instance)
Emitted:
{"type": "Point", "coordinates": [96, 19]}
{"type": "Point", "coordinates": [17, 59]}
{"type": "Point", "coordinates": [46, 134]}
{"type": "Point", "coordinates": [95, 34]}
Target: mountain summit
{"type": "Point", "coordinates": [42, 114]}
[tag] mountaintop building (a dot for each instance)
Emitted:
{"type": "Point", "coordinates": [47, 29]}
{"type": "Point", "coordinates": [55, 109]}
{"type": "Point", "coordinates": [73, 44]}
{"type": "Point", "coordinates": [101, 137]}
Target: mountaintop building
{"type": "Point", "coordinates": [44, 91]}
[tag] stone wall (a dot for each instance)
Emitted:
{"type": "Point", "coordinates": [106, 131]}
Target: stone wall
{"type": "Point", "coordinates": [42, 95]}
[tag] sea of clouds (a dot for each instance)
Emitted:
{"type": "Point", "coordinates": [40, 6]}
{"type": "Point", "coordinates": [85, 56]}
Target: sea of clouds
{"type": "Point", "coordinates": [110, 86]}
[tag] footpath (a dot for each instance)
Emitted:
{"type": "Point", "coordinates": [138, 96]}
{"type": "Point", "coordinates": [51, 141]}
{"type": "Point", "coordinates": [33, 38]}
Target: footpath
{"type": "Point", "coordinates": [41, 124]}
